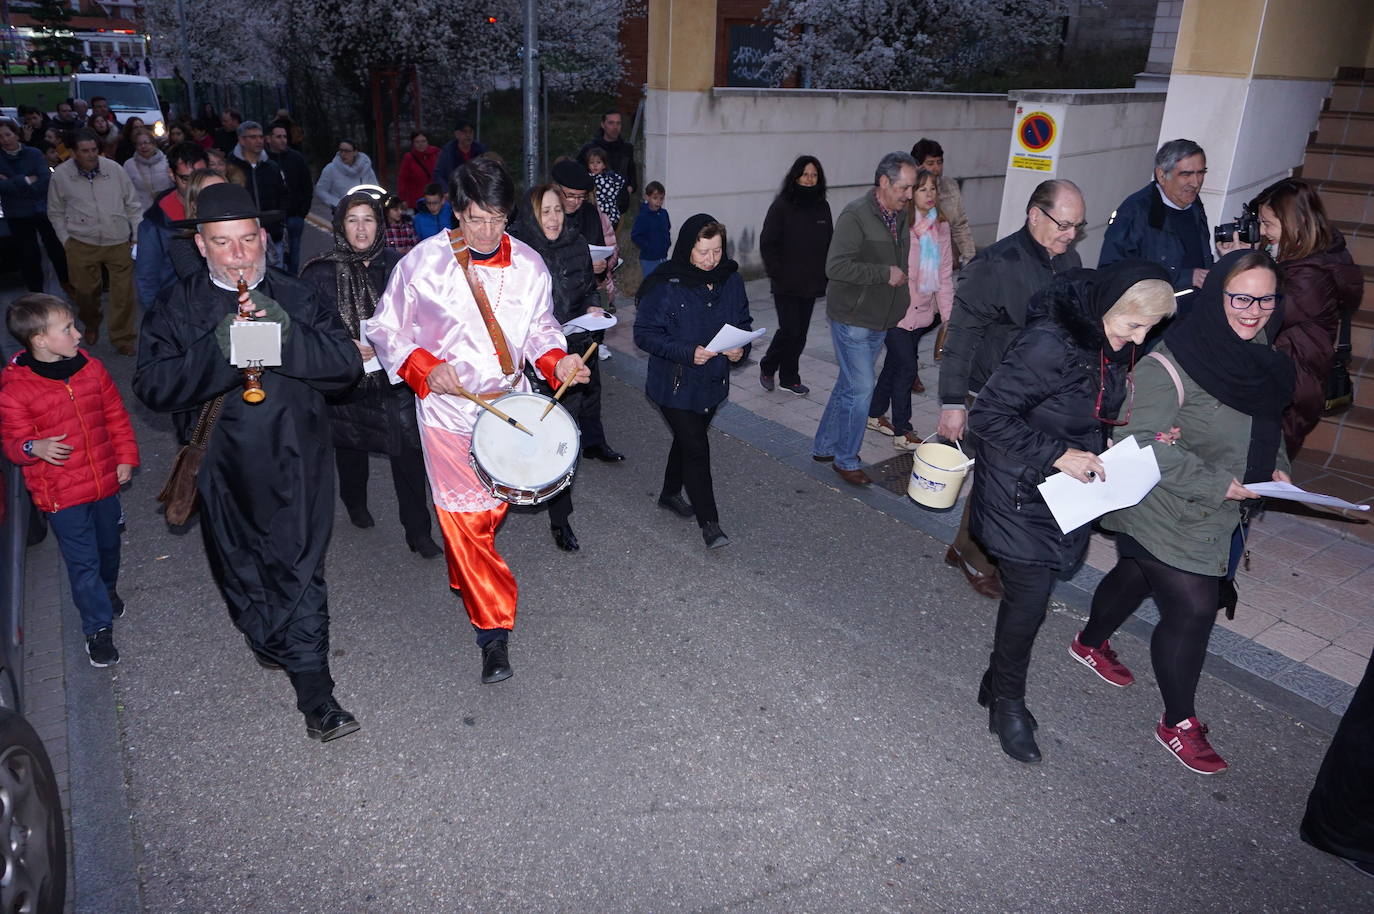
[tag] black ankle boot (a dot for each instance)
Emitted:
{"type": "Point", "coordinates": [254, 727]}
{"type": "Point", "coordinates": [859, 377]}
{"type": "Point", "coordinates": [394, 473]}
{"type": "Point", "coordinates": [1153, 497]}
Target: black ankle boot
{"type": "Point", "coordinates": [1015, 728]}
{"type": "Point", "coordinates": [985, 699]}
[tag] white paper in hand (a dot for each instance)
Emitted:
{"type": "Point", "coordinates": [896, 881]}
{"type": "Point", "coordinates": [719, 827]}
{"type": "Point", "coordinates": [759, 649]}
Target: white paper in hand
{"type": "Point", "coordinates": [255, 343]}
{"type": "Point", "coordinates": [590, 323]}
{"type": "Point", "coordinates": [732, 337]}
{"type": "Point", "coordinates": [374, 363]}
{"type": "Point", "coordinates": [1293, 493]}
{"type": "Point", "coordinates": [1131, 472]}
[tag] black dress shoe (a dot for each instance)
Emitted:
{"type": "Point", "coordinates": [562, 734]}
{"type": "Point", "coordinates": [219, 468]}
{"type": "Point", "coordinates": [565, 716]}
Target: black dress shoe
{"type": "Point", "coordinates": [713, 535]}
{"type": "Point", "coordinates": [423, 546]}
{"type": "Point", "coordinates": [564, 538]}
{"type": "Point", "coordinates": [496, 662]}
{"type": "Point", "coordinates": [1228, 597]}
{"type": "Point", "coordinates": [1015, 729]}
{"type": "Point", "coordinates": [263, 660]}
{"type": "Point", "coordinates": [329, 721]}
{"type": "Point", "coordinates": [603, 453]}
{"type": "Point", "coordinates": [361, 517]}
{"type": "Point", "coordinates": [677, 504]}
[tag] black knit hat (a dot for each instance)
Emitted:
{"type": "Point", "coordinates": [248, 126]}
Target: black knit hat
{"type": "Point", "coordinates": [572, 175]}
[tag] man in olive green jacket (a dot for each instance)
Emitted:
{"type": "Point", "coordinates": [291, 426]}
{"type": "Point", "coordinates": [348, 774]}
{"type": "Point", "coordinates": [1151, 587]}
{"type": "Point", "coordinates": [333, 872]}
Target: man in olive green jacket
{"type": "Point", "coordinates": [866, 296]}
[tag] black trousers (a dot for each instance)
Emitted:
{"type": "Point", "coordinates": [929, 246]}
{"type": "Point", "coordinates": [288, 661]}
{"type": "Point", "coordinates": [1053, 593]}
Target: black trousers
{"type": "Point", "coordinates": [1025, 598]}
{"type": "Point", "coordinates": [407, 476]}
{"type": "Point", "coordinates": [584, 400]}
{"type": "Point", "coordinates": [1340, 809]}
{"type": "Point", "coordinates": [785, 349]}
{"type": "Point", "coordinates": [25, 230]}
{"type": "Point", "coordinates": [689, 460]}
{"type": "Point", "coordinates": [1187, 611]}
{"type": "Point", "coordinates": [57, 254]}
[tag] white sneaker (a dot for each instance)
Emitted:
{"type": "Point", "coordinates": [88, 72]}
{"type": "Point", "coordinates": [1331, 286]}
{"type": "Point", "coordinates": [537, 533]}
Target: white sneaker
{"type": "Point", "coordinates": [881, 426]}
{"type": "Point", "coordinates": [603, 352]}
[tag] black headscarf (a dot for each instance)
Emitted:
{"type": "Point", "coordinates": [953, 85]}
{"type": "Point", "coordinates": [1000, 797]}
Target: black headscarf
{"type": "Point", "coordinates": [357, 299]}
{"type": "Point", "coordinates": [679, 267]}
{"type": "Point", "coordinates": [1090, 294]}
{"type": "Point", "coordinates": [1251, 377]}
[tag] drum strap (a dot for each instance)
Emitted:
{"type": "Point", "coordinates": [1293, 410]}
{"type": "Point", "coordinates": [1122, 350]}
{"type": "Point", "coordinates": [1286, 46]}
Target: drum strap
{"type": "Point", "coordinates": [498, 337]}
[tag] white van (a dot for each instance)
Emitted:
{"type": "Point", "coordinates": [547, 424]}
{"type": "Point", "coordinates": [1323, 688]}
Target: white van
{"type": "Point", "coordinates": [129, 96]}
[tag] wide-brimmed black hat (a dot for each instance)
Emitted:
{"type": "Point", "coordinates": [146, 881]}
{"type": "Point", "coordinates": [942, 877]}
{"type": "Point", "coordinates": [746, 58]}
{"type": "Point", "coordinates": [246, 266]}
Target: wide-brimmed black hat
{"type": "Point", "coordinates": [572, 175]}
{"type": "Point", "coordinates": [227, 202]}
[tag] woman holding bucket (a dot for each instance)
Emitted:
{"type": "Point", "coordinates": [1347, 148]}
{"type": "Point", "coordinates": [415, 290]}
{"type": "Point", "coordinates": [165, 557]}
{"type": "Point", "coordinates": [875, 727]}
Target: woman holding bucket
{"type": "Point", "coordinates": [1047, 408]}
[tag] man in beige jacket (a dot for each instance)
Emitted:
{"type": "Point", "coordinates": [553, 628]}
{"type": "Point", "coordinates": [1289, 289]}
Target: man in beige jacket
{"type": "Point", "coordinates": [95, 211]}
{"type": "Point", "coordinates": [931, 157]}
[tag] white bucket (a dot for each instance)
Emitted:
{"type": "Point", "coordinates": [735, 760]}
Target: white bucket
{"type": "Point", "coordinates": [937, 474]}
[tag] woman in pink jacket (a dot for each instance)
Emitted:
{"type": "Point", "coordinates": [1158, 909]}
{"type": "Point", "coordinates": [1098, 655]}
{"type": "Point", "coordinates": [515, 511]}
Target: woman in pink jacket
{"type": "Point", "coordinates": [930, 279]}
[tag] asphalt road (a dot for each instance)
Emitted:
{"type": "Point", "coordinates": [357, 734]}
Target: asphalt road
{"type": "Point", "coordinates": [787, 724]}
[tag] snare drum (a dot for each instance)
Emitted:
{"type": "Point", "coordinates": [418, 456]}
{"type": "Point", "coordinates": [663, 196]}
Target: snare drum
{"type": "Point", "coordinates": [519, 468]}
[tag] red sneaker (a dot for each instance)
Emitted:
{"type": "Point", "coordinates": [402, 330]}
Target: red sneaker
{"type": "Point", "coordinates": [1188, 743]}
{"type": "Point", "coordinates": [1102, 661]}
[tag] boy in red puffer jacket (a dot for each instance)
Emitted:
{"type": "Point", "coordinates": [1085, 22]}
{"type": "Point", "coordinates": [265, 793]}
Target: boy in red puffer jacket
{"type": "Point", "coordinates": [62, 420]}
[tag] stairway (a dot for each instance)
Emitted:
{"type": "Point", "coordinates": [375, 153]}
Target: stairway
{"type": "Point", "coordinates": [1340, 162]}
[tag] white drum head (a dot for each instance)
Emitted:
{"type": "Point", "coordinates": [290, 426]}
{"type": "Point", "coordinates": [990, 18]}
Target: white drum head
{"type": "Point", "coordinates": [521, 461]}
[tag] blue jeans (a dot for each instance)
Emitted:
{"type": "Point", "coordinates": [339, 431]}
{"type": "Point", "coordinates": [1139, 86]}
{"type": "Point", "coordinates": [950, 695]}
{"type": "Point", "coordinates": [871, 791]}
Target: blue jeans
{"type": "Point", "coordinates": [648, 266]}
{"type": "Point", "coordinates": [88, 536]}
{"type": "Point", "coordinates": [841, 432]}
{"type": "Point", "coordinates": [295, 228]}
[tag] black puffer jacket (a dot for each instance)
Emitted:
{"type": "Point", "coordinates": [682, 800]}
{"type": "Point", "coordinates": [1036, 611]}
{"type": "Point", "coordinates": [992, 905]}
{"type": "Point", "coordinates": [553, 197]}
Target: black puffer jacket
{"type": "Point", "coordinates": [1038, 404]}
{"type": "Point", "coordinates": [569, 262]}
{"type": "Point", "coordinates": [793, 242]}
{"type": "Point", "coordinates": [373, 415]}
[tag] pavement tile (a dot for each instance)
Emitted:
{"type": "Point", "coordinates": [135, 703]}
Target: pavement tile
{"type": "Point", "coordinates": [1358, 640]}
{"type": "Point", "coordinates": [1291, 641]}
{"type": "Point", "coordinates": [1341, 663]}
{"type": "Point", "coordinates": [1314, 685]}
{"type": "Point", "coordinates": [1326, 569]}
{"type": "Point", "coordinates": [1359, 554]}
{"type": "Point", "coordinates": [1275, 550]}
{"type": "Point", "coordinates": [1258, 659]}
{"type": "Point", "coordinates": [1355, 603]}
{"type": "Point", "coordinates": [1248, 622]}
{"type": "Point", "coordinates": [1327, 624]}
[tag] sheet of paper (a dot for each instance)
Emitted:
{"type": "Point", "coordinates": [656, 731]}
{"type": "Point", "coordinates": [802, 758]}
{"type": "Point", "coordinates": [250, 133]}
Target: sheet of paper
{"type": "Point", "coordinates": [1294, 493]}
{"type": "Point", "coordinates": [732, 337]}
{"type": "Point", "coordinates": [600, 251]}
{"type": "Point", "coordinates": [1131, 472]}
{"type": "Point", "coordinates": [374, 363]}
{"type": "Point", "coordinates": [590, 322]}
{"type": "Point", "coordinates": [255, 342]}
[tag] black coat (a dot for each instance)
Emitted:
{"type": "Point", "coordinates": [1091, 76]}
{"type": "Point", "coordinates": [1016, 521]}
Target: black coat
{"type": "Point", "coordinates": [1038, 404]}
{"type": "Point", "coordinates": [672, 320]}
{"type": "Point", "coordinates": [267, 482]}
{"type": "Point", "coordinates": [569, 262]}
{"type": "Point", "coordinates": [989, 312]}
{"type": "Point", "coordinates": [300, 186]}
{"type": "Point", "coordinates": [373, 415]}
{"type": "Point", "coordinates": [268, 187]}
{"type": "Point", "coordinates": [794, 242]}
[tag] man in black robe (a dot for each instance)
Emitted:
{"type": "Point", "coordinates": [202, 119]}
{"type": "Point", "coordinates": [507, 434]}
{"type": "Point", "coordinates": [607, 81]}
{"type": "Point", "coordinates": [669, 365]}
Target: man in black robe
{"type": "Point", "coordinates": [266, 486]}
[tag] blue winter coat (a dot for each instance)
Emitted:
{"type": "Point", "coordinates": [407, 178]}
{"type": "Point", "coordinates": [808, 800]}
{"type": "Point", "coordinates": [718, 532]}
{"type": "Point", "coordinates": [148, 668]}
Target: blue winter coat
{"type": "Point", "coordinates": [426, 223]}
{"type": "Point", "coordinates": [1139, 229]}
{"type": "Point", "coordinates": [652, 233]}
{"type": "Point", "coordinates": [20, 198]}
{"type": "Point", "coordinates": [672, 321]}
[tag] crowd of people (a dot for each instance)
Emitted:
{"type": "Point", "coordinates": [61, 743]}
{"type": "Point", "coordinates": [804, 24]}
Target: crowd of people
{"type": "Point", "coordinates": [435, 303]}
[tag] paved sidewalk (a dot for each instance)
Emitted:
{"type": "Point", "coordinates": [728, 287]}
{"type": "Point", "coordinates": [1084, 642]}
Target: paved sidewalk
{"type": "Point", "coordinates": [1305, 620]}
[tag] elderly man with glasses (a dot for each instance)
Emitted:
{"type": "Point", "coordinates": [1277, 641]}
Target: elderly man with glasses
{"type": "Point", "coordinates": [989, 312]}
{"type": "Point", "coordinates": [464, 313]}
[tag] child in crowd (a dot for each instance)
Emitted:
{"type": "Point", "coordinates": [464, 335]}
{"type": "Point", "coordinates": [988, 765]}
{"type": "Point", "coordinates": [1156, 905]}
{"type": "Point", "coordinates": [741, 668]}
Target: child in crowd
{"type": "Point", "coordinates": [652, 232]}
{"type": "Point", "coordinates": [63, 421]}
{"type": "Point", "coordinates": [608, 185]}
{"type": "Point", "coordinates": [432, 212]}
{"type": "Point", "coordinates": [400, 228]}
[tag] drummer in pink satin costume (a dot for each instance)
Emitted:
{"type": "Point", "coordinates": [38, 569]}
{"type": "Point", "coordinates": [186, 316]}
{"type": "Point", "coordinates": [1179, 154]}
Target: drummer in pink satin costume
{"type": "Point", "coordinates": [429, 331]}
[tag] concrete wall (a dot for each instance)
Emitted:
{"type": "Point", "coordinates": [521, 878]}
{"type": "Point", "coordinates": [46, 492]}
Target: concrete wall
{"type": "Point", "coordinates": [1107, 147]}
{"type": "Point", "coordinates": [725, 151]}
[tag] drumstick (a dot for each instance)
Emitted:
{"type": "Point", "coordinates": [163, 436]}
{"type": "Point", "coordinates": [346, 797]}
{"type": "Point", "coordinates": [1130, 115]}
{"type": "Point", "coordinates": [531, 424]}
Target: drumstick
{"type": "Point", "coordinates": [493, 410]}
{"type": "Point", "coordinates": [563, 388]}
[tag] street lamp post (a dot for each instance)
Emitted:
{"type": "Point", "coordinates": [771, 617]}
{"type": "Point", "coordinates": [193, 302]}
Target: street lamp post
{"type": "Point", "coordinates": [531, 94]}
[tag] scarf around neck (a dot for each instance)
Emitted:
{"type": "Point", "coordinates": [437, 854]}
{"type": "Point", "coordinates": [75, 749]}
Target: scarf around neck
{"type": "Point", "coordinates": [679, 267]}
{"type": "Point", "coordinates": [357, 300]}
{"type": "Point", "coordinates": [923, 228]}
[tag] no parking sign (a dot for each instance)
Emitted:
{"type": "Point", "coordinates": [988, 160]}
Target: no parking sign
{"type": "Point", "coordinates": [1035, 138]}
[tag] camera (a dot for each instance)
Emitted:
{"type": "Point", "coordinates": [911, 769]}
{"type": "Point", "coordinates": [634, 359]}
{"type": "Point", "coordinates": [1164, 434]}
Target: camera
{"type": "Point", "coordinates": [1245, 228]}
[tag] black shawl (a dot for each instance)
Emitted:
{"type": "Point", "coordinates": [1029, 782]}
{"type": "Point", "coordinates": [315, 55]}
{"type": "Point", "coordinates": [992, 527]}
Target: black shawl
{"type": "Point", "coordinates": [679, 267]}
{"type": "Point", "coordinates": [357, 299]}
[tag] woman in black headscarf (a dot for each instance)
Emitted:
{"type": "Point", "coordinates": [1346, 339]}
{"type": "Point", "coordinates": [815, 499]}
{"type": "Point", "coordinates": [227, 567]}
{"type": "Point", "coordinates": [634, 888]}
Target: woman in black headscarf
{"type": "Point", "coordinates": [374, 417]}
{"type": "Point", "coordinates": [680, 308]}
{"type": "Point", "coordinates": [1047, 408]}
{"type": "Point", "coordinates": [1209, 401]}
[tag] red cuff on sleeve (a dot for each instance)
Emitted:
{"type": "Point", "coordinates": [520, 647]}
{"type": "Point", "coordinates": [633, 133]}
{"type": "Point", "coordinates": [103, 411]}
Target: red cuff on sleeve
{"type": "Point", "coordinates": [415, 371]}
{"type": "Point", "coordinates": [546, 364]}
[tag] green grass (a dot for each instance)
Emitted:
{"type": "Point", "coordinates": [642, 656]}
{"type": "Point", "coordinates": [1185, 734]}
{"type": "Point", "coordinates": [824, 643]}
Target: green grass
{"type": "Point", "coordinates": [571, 123]}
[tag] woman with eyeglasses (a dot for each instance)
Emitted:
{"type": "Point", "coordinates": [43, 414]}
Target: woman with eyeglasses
{"type": "Point", "coordinates": [1209, 401]}
{"type": "Point", "coordinates": [1047, 408]}
{"type": "Point", "coordinates": [1322, 286]}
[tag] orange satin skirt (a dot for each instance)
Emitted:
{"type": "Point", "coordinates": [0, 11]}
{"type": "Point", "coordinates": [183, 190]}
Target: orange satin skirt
{"type": "Point", "coordinates": [475, 569]}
